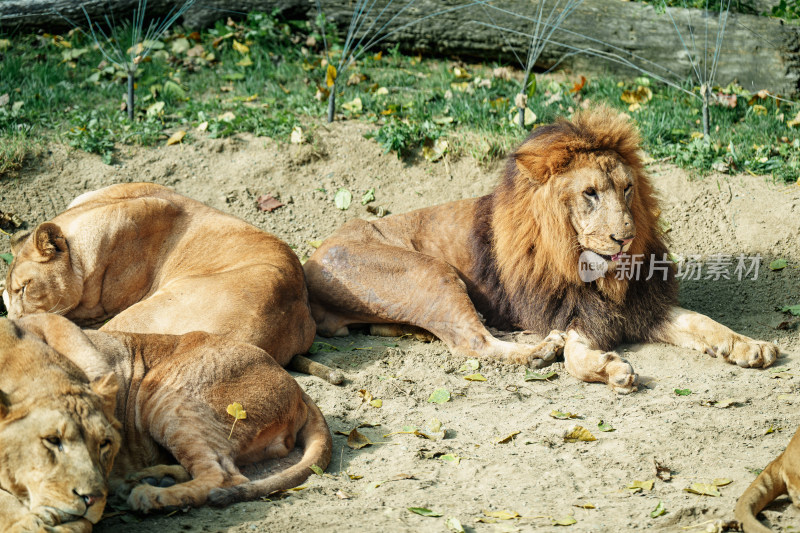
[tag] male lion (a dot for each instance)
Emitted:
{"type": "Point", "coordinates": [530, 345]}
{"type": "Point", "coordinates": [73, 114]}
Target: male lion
{"type": "Point", "coordinates": [172, 400]}
{"type": "Point", "coordinates": [513, 257]}
{"type": "Point", "coordinates": [150, 260]}
{"type": "Point", "coordinates": [781, 476]}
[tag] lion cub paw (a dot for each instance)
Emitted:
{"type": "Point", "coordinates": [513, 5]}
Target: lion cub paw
{"type": "Point", "coordinates": [620, 375]}
{"type": "Point", "coordinates": [746, 352]}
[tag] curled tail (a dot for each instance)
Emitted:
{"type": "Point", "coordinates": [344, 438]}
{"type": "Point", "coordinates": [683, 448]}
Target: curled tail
{"type": "Point", "coordinates": [766, 487]}
{"type": "Point", "coordinates": [314, 436]}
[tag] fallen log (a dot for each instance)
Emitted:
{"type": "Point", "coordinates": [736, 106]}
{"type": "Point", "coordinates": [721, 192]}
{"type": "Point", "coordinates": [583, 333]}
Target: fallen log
{"type": "Point", "coordinates": [758, 52]}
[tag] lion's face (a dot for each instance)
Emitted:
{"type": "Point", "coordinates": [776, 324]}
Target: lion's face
{"type": "Point", "coordinates": [41, 277]}
{"type": "Point", "coordinates": [599, 198]}
{"type": "Point", "coordinates": [58, 434]}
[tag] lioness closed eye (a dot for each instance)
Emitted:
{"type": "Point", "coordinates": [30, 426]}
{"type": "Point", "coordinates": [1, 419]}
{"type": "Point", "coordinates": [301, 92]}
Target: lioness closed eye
{"type": "Point", "coordinates": [513, 255]}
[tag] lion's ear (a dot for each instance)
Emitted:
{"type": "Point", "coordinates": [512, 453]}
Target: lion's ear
{"type": "Point", "coordinates": [18, 239]}
{"type": "Point", "coordinates": [49, 239]}
{"type": "Point", "coordinates": [106, 387]}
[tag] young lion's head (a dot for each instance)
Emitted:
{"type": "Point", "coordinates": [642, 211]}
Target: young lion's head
{"type": "Point", "coordinates": [574, 186]}
{"type": "Point", "coordinates": [58, 433]}
{"type": "Point", "coordinates": [42, 277]}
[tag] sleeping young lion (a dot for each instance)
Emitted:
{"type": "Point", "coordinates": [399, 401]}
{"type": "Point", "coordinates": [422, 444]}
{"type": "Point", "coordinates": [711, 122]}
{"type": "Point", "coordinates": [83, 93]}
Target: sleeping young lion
{"type": "Point", "coordinates": [512, 259]}
{"type": "Point", "coordinates": [140, 257]}
{"type": "Point", "coordinates": [59, 435]}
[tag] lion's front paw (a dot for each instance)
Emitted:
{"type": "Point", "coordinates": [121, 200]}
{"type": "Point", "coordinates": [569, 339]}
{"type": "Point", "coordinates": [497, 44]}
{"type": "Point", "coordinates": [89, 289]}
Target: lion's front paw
{"type": "Point", "coordinates": [534, 356]}
{"type": "Point", "coordinates": [746, 352]}
{"type": "Point", "coordinates": [620, 375]}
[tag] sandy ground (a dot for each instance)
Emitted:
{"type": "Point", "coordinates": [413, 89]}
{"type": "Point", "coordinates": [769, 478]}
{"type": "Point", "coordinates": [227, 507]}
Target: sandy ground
{"type": "Point", "coordinates": [536, 473]}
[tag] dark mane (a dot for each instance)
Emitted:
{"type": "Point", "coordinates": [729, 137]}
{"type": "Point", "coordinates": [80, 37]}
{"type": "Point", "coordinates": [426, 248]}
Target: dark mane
{"type": "Point", "coordinates": [526, 269]}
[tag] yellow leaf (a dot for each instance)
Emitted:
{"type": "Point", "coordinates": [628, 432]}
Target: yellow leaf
{"type": "Point", "coordinates": [759, 109]}
{"type": "Point", "coordinates": [460, 87]}
{"type": "Point", "coordinates": [377, 403]}
{"type": "Point", "coordinates": [501, 515]}
{"type": "Point", "coordinates": [236, 411]}
{"type": "Point", "coordinates": [330, 75]}
{"type": "Point", "coordinates": [245, 62]}
{"type": "Point", "coordinates": [382, 91]}
{"type": "Point", "coordinates": [354, 105]}
{"type": "Point", "coordinates": [239, 47]}
{"type": "Point", "coordinates": [703, 489]}
{"type": "Point", "coordinates": [795, 121]}
{"type": "Point", "coordinates": [636, 486]}
{"type": "Point", "coordinates": [5, 44]}
{"type": "Point", "coordinates": [475, 377]}
{"type": "Point", "coordinates": [641, 95]}
{"type": "Point", "coordinates": [721, 482]}
{"type": "Point", "coordinates": [175, 139]}
{"type": "Point", "coordinates": [507, 438]}
{"type": "Point", "coordinates": [378, 56]}
{"type": "Point", "coordinates": [579, 433]}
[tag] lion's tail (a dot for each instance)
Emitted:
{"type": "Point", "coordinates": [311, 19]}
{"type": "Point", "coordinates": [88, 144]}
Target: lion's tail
{"type": "Point", "coordinates": [766, 487]}
{"type": "Point", "coordinates": [314, 436]}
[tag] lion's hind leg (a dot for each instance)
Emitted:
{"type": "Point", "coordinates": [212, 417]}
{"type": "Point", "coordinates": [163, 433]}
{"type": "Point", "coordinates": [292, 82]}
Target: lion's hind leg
{"type": "Point", "coordinates": [403, 288]}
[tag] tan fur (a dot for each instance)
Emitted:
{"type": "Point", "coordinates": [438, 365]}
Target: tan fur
{"type": "Point", "coordinates": [781, 476]}
{"type": "Point", "coordinates": [58, 438]}
{"type": "Point", "coordinates": [149, 260]}
{"type": "Point", "coordinates": [512, 256]}
{"type": "Point", "coordinates": [172, 402]}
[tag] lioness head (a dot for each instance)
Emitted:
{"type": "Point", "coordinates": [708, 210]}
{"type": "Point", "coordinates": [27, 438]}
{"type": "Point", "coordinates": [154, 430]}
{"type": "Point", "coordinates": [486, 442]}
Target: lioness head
{"type": "Point", "coordinates": [58, 434]}
{"type": "Point", "coordinates": [41, 277]}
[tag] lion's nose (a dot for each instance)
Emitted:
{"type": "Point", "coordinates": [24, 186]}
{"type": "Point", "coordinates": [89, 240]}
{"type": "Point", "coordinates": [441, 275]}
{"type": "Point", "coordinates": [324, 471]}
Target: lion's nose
{"type": "Point", "coordinates": [88, 499]}
{"type": "Point", "coordinates": [621, 240]}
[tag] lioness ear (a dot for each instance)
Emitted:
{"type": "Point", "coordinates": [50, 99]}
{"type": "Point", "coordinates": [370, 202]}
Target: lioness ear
{"type": "Point", "coordinates": [17, 239]}
{"type": "Point", "coordinates": [49, 239]}
{"type": "Point", "coordinates": [106, 387]}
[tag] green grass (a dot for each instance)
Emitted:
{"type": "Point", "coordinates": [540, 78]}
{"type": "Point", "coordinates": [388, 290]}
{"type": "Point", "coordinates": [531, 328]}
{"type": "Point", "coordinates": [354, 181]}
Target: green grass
{"type": "Point", "coordinates": [60, 88]}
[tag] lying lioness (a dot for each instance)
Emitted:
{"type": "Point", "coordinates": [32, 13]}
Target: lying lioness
{"type": "Point", "coordinates": [781, 476]}
{"type": "Point", "coordinates": [514, 256]}
{"type": "Point", "coordinates": [148, 260]}
{"type": "Point", "coordinates": [59, 434]}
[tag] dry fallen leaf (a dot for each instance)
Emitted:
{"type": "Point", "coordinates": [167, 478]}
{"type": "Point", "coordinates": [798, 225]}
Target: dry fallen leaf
{"type": "Point", "coordinates": [508, 438]}
{"type": "Point", "coordinates": [703, 489]}
{"type": "Point", "coordinates": [357, 440]}
{"type": "Point", "coordinates": [176, 137]}
{"type": "Point", "coordinates": [241, 48]}
{"type": "Point", "coordinates": [501, 515]}
{"type": "Point", "coordinates": [268, 203]}
{"type": "Point", "coordinates": [579, 433]}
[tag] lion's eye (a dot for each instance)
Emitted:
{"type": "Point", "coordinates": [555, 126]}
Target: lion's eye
{"type": "Point", "coordinates": [105, 444]}
{"type": "Point", "coordinates": [590, 193]}
{"type": "Point", "coordinates": [628, 189]}
{"type": "Point", "coordinates": [55, 441]}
